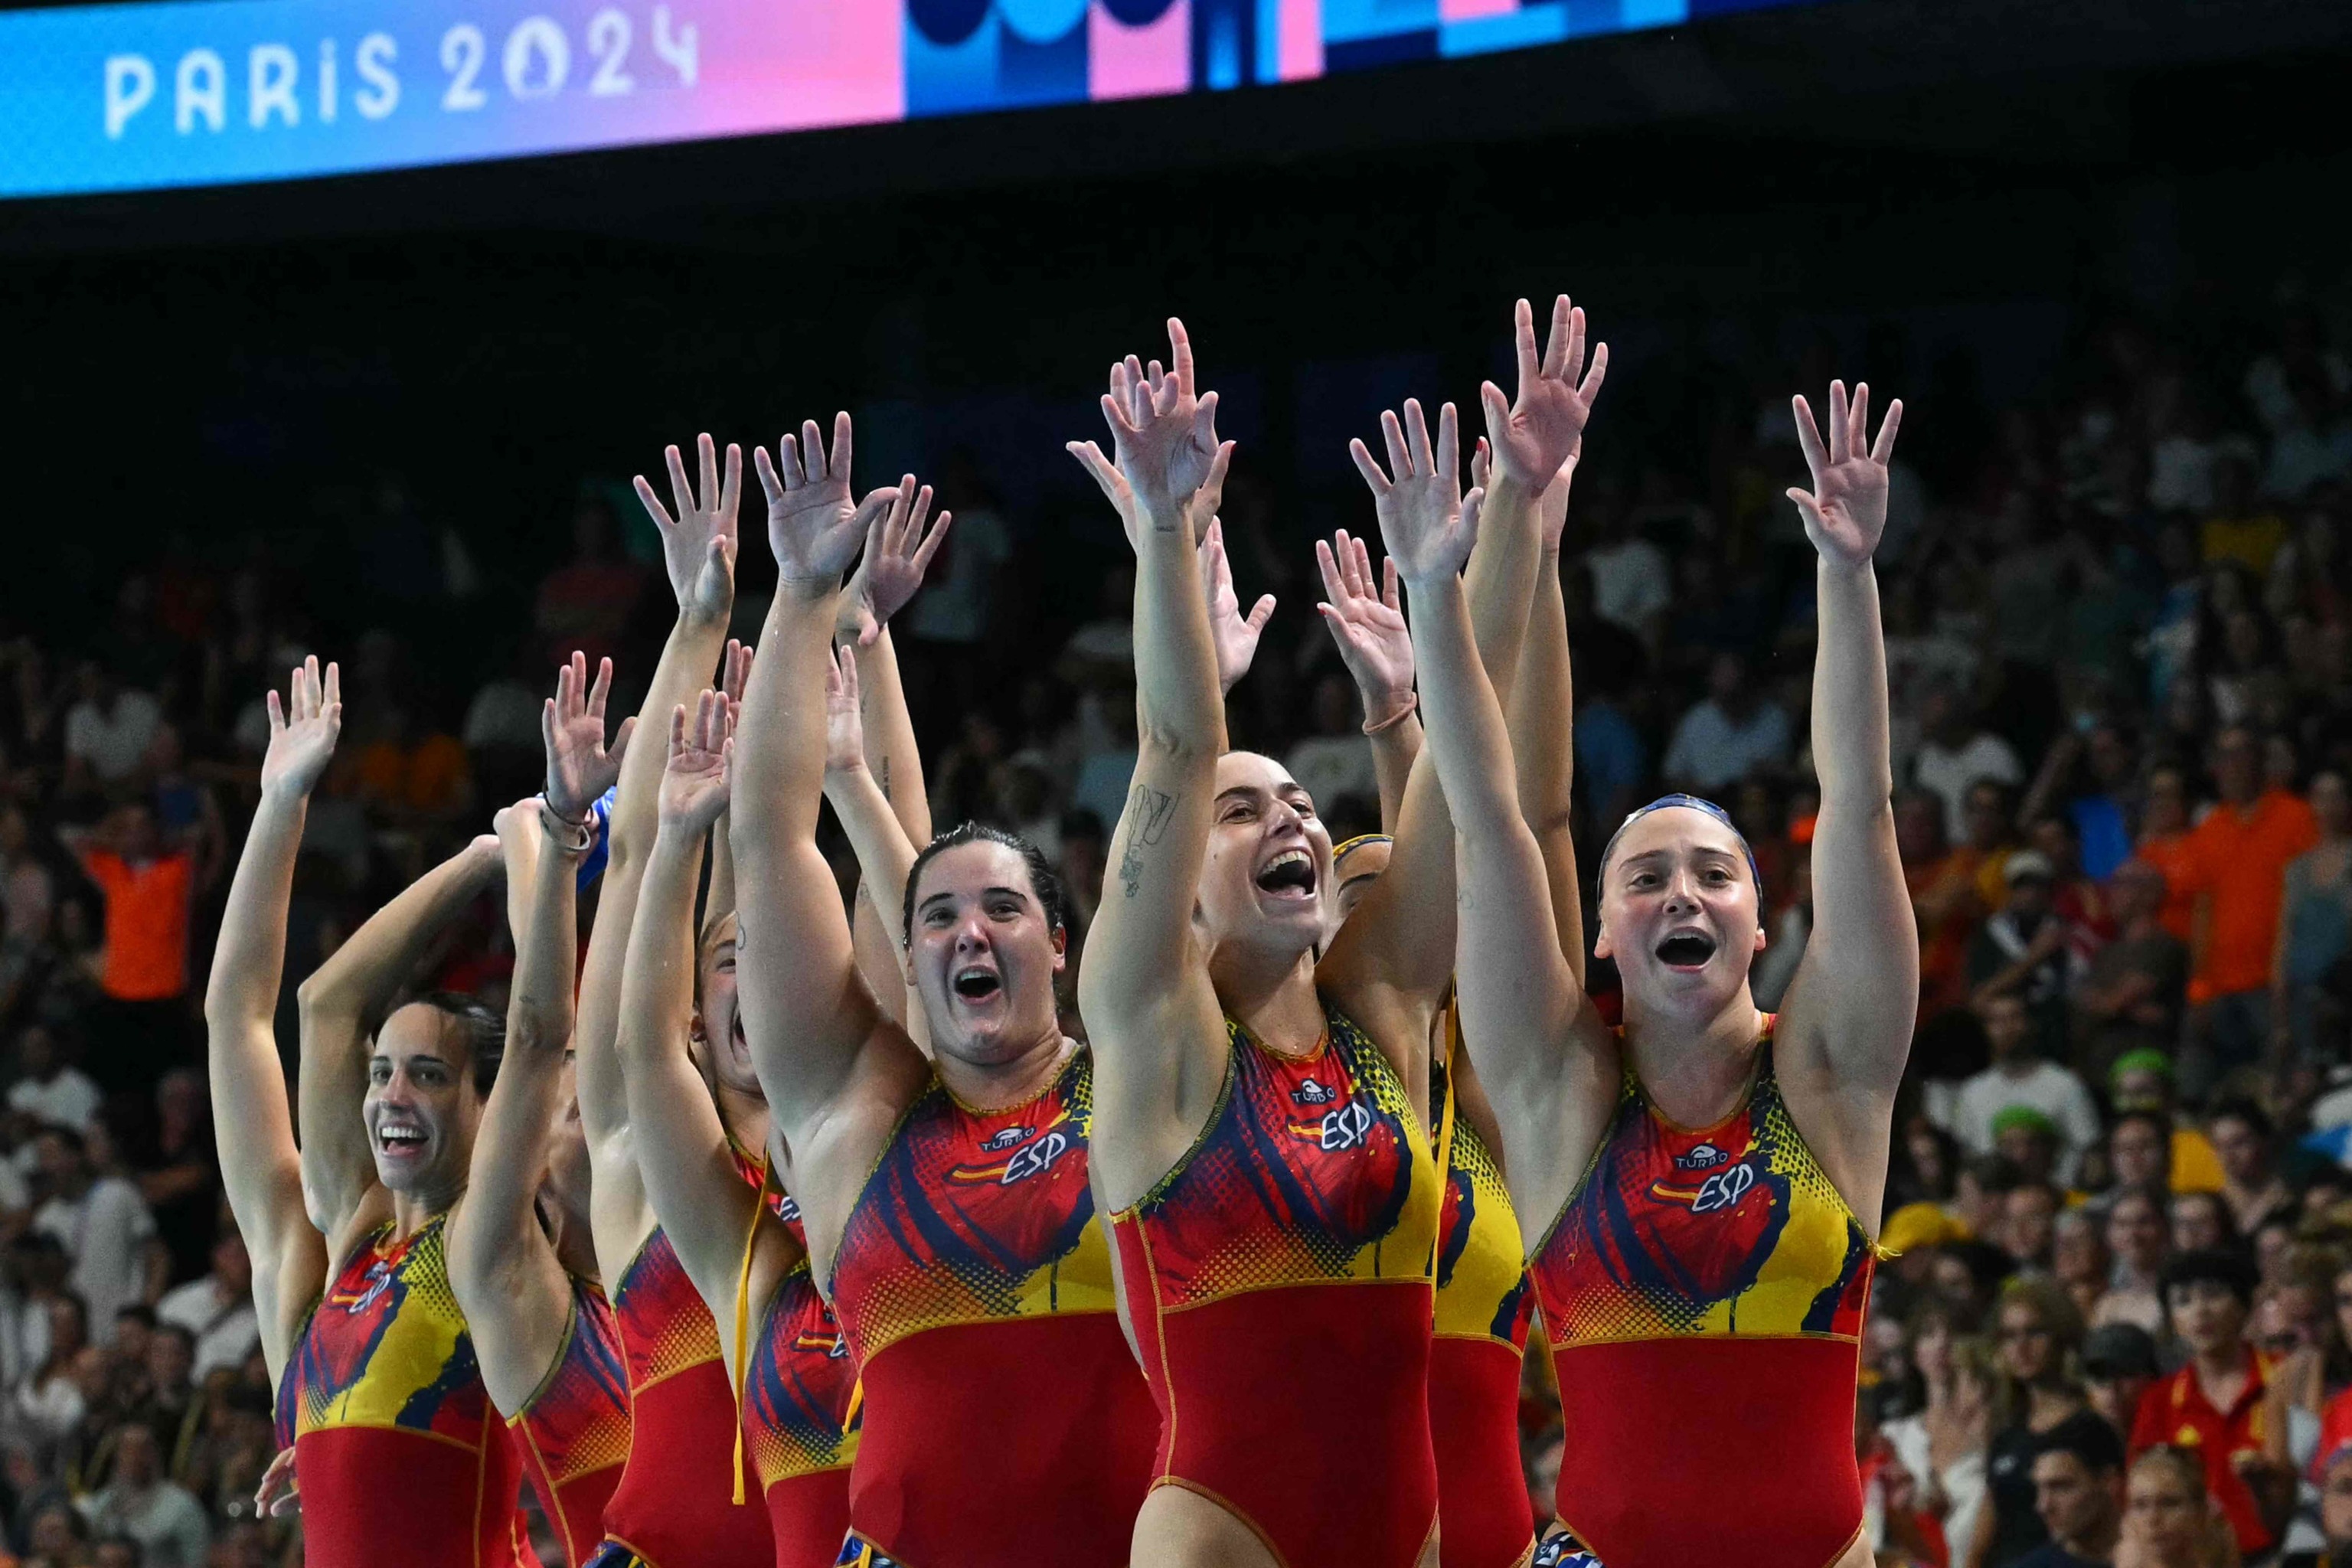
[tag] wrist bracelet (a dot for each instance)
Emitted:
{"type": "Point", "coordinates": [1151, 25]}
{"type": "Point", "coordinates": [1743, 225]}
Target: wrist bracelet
{"type": "Point", "coordinates": [567, 837]}
{"type": "Point", "coordinates": [1411, 701]}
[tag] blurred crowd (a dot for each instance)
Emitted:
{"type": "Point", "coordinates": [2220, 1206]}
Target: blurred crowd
{"type": "Point", "coordinates": [2119, 643]}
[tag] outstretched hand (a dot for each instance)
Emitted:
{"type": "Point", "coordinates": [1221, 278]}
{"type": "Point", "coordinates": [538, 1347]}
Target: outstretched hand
{"type": "Point", "coordinates": [302, 732]}
{"type": "Point", "coordinates": [1845, 511]}
{"type": "Point", "coordinates": [1366, 615]}
{"type": "Point", "coordinates": [572, 726]}
{"type": "Point", "coordinates": [700, 770]}
{"type": "Point", "coordinates": [698, 545]}
{"type": "Point", "coordinates": [1234, 634]}
{"type": "Point", "coordinates": [1534, 435]}
{"type": "Point", "coordinates": [897, 554]}
{"type": "Point", "coordinates": [845, 726]}
{"type": "Point", "coordinates": [813, 527]}
{"type": "Point", "coordinates": [1163, 432]}
{"type": "Point", "coordinates": [1419, 499]}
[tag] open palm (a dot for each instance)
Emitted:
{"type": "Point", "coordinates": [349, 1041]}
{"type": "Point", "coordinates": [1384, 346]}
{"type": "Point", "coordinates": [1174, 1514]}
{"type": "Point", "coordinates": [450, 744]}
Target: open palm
{"type": "Point", "coordinates": [699, 543]}
{"type": "Point", "coordinates": [302, 732]}
{"type": "Point", "coordinates": [1164, 433]}
{"type": "Point", "coordinates": [899, 553]}
{"type": "Point", "coordinates": [1367, 620]}
{"type": "Point", "coordinates": [1234, 634]}
{"type": "Point", "coordinates": [1535, 434]}
{"type": "Point", "coordinates": [1419, 499]}
{"type": "Point", "coordinates": [815, 528]}
{"type": "Point", "coordinates": [572, 726]}
{"type": "Point", "coordinates": [697, 777]}
{"type": "Point", "coordinates": [1845, 511]}
{"type": "Point", "coordinates": [845, 726]}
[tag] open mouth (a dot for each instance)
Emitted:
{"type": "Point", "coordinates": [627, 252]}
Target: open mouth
{"type": "Point", "coordinates": [1290, 874]}
{"type": "Point", "coordinates": [1687, 950]}
{"type": "Point", "coordinates": [976, 984]}
{"type": "Point", "coordinates": [400, 1140]}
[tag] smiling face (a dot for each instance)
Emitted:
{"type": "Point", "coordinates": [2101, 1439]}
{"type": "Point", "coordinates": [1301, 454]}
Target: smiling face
{"type": "Point", "coordinates": [983, 955]}
{"type": "Point", "coordinates": [421, 1108]}
{"type": "Point", "coordinates": [1269, 861]}
{"type": "Point", "coordinates": [1678, 913]}
{"type": "Point", "coordinates": [716, 1015]}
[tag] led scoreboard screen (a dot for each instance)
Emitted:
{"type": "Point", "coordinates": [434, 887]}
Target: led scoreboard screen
{"type": "Point", "coordinates": [189, 92]}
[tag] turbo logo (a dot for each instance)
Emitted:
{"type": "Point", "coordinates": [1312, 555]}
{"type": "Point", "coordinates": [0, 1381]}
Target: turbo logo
{"type": "Point", "coordinates": [1004, 1138]}
{"type": "Point", "coordinates": [1704, 1157]}
{"type": "Point", "coordinates": [1313, 1093]}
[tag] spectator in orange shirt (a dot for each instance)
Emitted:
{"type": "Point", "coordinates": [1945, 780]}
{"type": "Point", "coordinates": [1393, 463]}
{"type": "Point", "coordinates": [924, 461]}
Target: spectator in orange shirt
{"type": "Point", "coordinates": [2238, 861]}
{"type": "Point", "coordinates": [2164, 843]}
{"type": "Point", "coordinates": [146, 882]}
{"type": "Point", "coordinates": [2221, 1404]}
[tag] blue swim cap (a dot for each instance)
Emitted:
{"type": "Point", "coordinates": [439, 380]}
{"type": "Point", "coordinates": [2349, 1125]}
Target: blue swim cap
{"type": "Point", "coordinates": [1693, 803]}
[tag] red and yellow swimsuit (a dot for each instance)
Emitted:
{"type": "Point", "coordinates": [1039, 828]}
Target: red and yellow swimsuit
{"type": "Point", "coordinates": [1703, 1292]}
{"type": "Point", "coordinates": [574, 1432]}
{"type": "Point", "coordinates": [799, 1422]}
{"type": "Point", "coordinates": [680, 1509]}
{"type": "Point", "coordinates": [403, 1462]}
{"type": "Point", "coordinates": [1004, 1424]}
{"type": "Point", "coordinates": [1485, 1304]}
{"type": "Point", "coordinates": [1278, 1279]}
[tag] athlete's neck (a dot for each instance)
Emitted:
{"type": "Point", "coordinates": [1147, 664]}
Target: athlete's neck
{"type": "Point", "coordinates": [573, 1237]}
{"type": "Point", "coordinates": [1697, 1078]}
{"type": "Point", "coordinates": [412, 1212]}
{"type": "Point", "coordinates": [746, 1115]}
{"type": "Point", "coordinates": [992, 1086]}
{"type": "Point", "coordinates": [1278, 1004]}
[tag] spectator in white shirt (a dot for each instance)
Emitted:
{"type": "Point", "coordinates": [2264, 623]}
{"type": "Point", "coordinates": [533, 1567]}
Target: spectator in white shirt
{"type": "Point", "coordinates": [1728, 736]}
{"type": "Point", "coordinates": [1631, 583]}
{"type": "Point", "coordinates": [48, 1406]}
{"type": "Point", "coordinates": [142, 1503]}
{"type": "Point", "coordinates": [218, 1309]}
{"type": "Point", "coordinates": [1954, 755]}
{"type": "Point", "coordinates": [108, 728]}
{"type": "Point", "coordinates": [49, 1091]}
{"type": "Point", "coordinates": [2017, 1077]}
{"type": "Point", "coordinates": [104, 1226]}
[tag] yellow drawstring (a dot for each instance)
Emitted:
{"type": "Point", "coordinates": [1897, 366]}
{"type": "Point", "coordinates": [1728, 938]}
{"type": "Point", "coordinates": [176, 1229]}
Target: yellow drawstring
{"type": "Point", "coordinates": [1445, 1130]}
{"type": "Point", "coordinates": [743, 1321]}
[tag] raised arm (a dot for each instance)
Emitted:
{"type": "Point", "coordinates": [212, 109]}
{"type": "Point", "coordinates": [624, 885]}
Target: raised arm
{"type": "Point", "coordinates": [899, 552]}
{"type": "Point", "coordinates": [1846, 1028]}
{"type": "Point", "coordinates": [885, 856]}
{"type": "Point", "coordinates": [1539, 718]}
{"type": "Point", "coordinates": [1538, 1043]}
{"type": "Point", "coordinates": [1391, 961]}
{"type": "Point", "coordinates": [698, 544]}
{"type": "Point", "coordinates": [260, 1166]}
{"type": "Point", "coordinates": [704, 1205]}
{"type": "Point", "coordinates": [1233, 634]}
{"type": "Point", "coordinates": [1151, 1011]}
{"type": "Point", "coordinates": [504, 1270]}
{"type": "Point", "coordinates": [1366, 618]}
{"type": "Point", "coordinates": [719, 902]}
{"type": "Point", "coordinates": [813, 1026]}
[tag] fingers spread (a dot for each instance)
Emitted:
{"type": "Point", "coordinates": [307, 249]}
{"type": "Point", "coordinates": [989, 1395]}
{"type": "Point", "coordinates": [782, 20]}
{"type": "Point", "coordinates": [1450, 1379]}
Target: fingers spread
{"type": "Point", "coordinates": [652, 504]}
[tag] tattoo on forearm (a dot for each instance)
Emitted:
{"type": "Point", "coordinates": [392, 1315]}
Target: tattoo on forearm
{"type": "Point", "coordinates": [1149, 812]}
{"type": "Point", "coordinates": [882, 778]}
